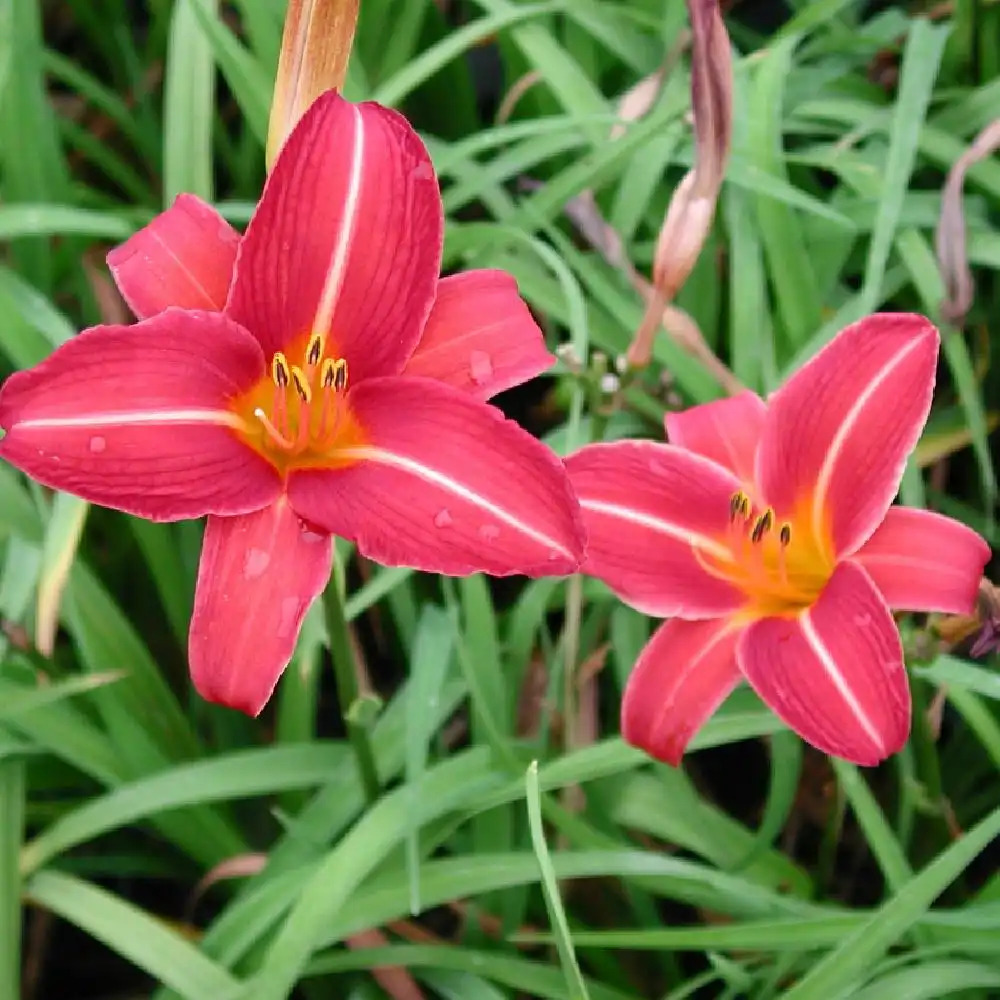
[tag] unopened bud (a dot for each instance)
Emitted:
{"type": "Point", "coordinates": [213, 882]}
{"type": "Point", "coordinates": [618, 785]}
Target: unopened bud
{"type": "Point", "coordinates": [315, 51]}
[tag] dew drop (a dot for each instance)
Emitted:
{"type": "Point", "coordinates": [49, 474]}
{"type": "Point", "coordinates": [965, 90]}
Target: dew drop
{"type": "Point", "coordinates": [423, 171]}
{"type": "Point", "coordinates": [442, 518]}
{"type": "Point", "coordinates": [863, 620]}
{"type": "Point", "coordinates": [480, 367]}
{"type": "Point", "coordinates": [97, 444]}
{"type": "Point", "coordinates": [255, 563]}
{"type": "Point", "coordinates": [489, 532]}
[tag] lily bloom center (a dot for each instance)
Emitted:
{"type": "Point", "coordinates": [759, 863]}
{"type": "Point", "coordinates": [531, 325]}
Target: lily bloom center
{"type": "Point", "coordinates": [297, 416]}
{"type": "Point", "coordinates": [779, 564]}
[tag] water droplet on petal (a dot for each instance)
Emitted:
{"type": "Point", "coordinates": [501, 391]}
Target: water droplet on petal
{"type": "Point", "coordinates": [480, 367]}
{"type": "Point", "coordinates": [255, 563]}
{"type": "Point", "coordinates": [97, 444]}
{"type": "Point", "coordinates": [311, 537]}
{"type": "Point", "coordinates": [489, 532]}
{"type": "Point", "coordinates": [863, 620]}
{"type": "Point", "coordinates": [442, 518]}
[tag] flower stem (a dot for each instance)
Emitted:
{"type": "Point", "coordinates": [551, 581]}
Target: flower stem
{"type": "Point", "coordinates": [345, 670]}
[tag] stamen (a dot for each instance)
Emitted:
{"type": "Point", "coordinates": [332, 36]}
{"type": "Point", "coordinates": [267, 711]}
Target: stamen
{"type": "Point", "coordinates": [279, 370]}
{"type": "Point", "coordinates": [314, 350]}
{"type": "Point", "coordinates": [785, 535]}
{"type": "Point", "coordinates": [328, 373]}
{"type": "Point", "coordinates": [272, 432]}
{"type": "Point", "coordinates": [301, 384]}
{"type": "Point", "coordinates": [736, 502]}
{"type": "Point", "coordinates": [762, 525]}
{"type": "Point", "coordinates": [340, 375]}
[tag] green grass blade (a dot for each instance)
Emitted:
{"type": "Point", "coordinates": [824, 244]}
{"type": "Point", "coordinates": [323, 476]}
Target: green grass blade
{"type": "Point", "coordinates": [553, 902]}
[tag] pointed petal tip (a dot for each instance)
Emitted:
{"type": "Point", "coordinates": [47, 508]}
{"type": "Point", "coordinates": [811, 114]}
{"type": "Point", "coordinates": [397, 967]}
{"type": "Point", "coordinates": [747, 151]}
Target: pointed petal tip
{"type": "Point", "coordinates": [184, 257]}
{"type": "Point", "coordinates": [686, 670]}
{"type": "Point", "coordinates": [480, 336]}
{"type": "Point", "coordinates": [259, 574]}
{"type": "Point", "coordinates": [876, 381]}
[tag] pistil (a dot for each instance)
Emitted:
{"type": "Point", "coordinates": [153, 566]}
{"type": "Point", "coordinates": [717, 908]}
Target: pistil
{"type": "Point", "coordinates": [295, 432]}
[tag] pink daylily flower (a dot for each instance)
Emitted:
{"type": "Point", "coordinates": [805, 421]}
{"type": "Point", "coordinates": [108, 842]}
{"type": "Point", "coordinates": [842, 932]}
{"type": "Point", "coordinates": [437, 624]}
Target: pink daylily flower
{"type": "Point", "coordinates": [764, 533]}
{"type": "Point", "coordinates": [312, 378]}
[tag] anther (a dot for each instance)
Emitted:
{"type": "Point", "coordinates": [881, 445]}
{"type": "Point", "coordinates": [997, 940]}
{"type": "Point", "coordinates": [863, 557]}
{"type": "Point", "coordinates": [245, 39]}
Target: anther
{"type": "Point", "coordinates": [786, 534]}
{"type": "Point", "coordinates": [340, 375]}
{"type": "Point", "coordinates": [762, 525]}
{"type": "Point", "coordinates": [301, 384]}
{"type": "Point", "coordinates": [314, 350]}
{"type": "Point", "coordinates": [739, 504]}
{"type": "Point", "coordinates": [279, 370]}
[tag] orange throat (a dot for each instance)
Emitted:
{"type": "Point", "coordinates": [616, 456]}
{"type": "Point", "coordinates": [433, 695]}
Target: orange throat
{"type": "Point", "coordinates": [297, 416]}
{"type": "Point", "coordinates": [781, 566]}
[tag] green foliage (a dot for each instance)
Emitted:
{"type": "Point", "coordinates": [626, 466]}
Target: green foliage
{"type": "Point", "coordinates": [761, 872]}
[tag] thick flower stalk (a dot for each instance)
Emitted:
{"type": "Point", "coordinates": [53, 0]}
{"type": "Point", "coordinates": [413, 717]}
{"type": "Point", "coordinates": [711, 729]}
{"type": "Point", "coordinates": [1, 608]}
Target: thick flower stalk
{"type": "Point", "coordinates": [317, 379]}
{"type": "Point", "coordinates": [764, 533]}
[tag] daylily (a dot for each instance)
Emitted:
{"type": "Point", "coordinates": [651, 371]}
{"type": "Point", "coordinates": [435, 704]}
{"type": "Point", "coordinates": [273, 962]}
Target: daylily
{"type": "Point", "coordinates": [764, 533]}
{"type": "Point", "coordinates": [319, 380]}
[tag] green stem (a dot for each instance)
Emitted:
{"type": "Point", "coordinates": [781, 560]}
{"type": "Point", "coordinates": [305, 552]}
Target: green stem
{"type": "Point", "coordinates": [345, 670]}
{"type": "Point", "coordinates": [12, 792]}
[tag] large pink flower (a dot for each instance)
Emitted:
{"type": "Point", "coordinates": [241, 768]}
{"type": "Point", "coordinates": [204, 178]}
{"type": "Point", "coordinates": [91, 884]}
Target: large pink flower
{"type": "Point", "coordinates": [764, 532]}
{"type": "Point", "coordinates": [317, 380]}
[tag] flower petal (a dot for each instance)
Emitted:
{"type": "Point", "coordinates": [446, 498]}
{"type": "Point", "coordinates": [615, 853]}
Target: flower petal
{"type": "Point", "coordinates": [645, 506]}
{"type": "Point", "coordinates": [445, 484]}
{"type": "Point", "coordinates": [258, 576]}
{"type": "Point", "coordinates": [346, 240]}
{"type": "Point", "coordinates": [480, 336]}
{"type": "Point", "coordinates": [922, 561]}
{"type": "Point", "coordinates": [137, 418]}
{"type": "Point", "coordinates": [839, 431]}
{"type": "Point", "coordinates": [681, 677]}
{"type": "Point", "coordinates": [184, 258]}
{"type": "Point", "coordinates": [726, 431]}
{"type": "Point", "coordinates": [835, 673]}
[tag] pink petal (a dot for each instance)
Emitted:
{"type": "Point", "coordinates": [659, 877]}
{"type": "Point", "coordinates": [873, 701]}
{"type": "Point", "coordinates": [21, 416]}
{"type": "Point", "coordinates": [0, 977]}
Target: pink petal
{"type": "Point", "coordinates": [258, 576]}
{"type": "Point", "coordinates": [838, 433]}
{"type": "Point", "coordinates": [726, 431]}
{"type": "Point", "coordinates": [835, 673]}
{"type": "Point", "coordinates": [922, 561]}
{"type": "Point", "coordinates": [137, 418]}
{"type": "Point", "coordinates": [480, 336]}
{"type": "Point", "coordinates": [646, 505]}
{"type": "Point", "coordinates": [184, 258]}
{"type": "Point", "coordinates": [682, 676]}
{"type": "Point", "coordinates": [445, 484]}
{"type": "Point", "coordinates": [346, 240]}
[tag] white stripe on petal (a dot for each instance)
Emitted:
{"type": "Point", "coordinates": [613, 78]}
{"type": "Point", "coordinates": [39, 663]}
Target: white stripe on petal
{"type": "Point", "coordinates": [846, 429]}
{"type": "Point", "coordinates": [707, 545]}
{"type": "Point", "coordinates": [338, 258]}
{"type": "Point", "coordinates": [128, 418]}
{"type": "Point", "coordinates": [430, 475]}
{"type": "Point", "coordinates": [829, 665]}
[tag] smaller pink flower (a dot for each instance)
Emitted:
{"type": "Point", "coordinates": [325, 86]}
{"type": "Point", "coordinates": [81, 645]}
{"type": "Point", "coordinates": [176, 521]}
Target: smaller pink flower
{"type": "Point", "coordinates": [764, 532]}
